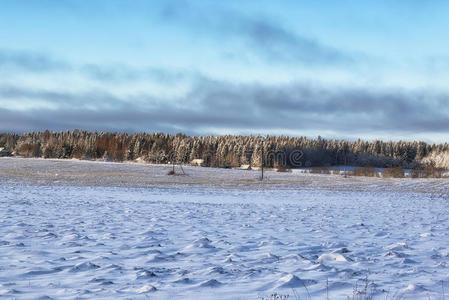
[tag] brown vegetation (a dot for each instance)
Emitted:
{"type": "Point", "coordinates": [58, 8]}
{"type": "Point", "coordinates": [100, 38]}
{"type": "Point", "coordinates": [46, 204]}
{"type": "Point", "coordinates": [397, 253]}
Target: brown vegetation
{"type": "Point", "coordinates": [396, 172]}
{"type": "Point", "coordinates": [427, 172]}
{"type": "Point", "coordinates": [367, 171]}
{"type": "Point", "coordinates": [283, 169]}
{"type": "Point", "coordinates": [320, 170]}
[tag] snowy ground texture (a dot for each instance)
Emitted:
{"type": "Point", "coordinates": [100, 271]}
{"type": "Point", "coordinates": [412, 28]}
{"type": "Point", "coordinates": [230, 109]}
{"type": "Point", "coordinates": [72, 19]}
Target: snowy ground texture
{"type": "Point", "coordinates": [90, 230]}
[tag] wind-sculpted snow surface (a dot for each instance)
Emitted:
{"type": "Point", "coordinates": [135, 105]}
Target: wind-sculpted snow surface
{"type": "Point", "coordinates": [97, 242]}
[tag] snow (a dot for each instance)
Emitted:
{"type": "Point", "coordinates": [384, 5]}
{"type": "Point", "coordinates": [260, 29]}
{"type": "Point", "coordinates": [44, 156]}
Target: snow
{"type": "Point", "coordinates": [128, 231]}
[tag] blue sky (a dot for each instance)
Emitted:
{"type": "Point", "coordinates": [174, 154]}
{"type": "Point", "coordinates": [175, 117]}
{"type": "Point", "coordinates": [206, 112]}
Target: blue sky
{"type": "Point", "coordinates": [343, 69]}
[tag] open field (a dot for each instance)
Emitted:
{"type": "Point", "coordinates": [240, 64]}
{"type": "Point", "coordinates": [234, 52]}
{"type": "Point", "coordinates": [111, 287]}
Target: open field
{"type": "Point", "coordinates": [79, 229]}
{"type": "Point", "coordinates": [95, 173]}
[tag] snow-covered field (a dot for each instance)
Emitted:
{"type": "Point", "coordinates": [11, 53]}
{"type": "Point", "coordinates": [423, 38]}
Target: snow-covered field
{"type": "Point", "coordinates": [89, 230]}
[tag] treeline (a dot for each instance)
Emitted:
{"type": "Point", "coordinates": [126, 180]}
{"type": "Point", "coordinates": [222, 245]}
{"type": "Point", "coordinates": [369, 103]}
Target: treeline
{"type": "Point", "coordinates": [219, 151]}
